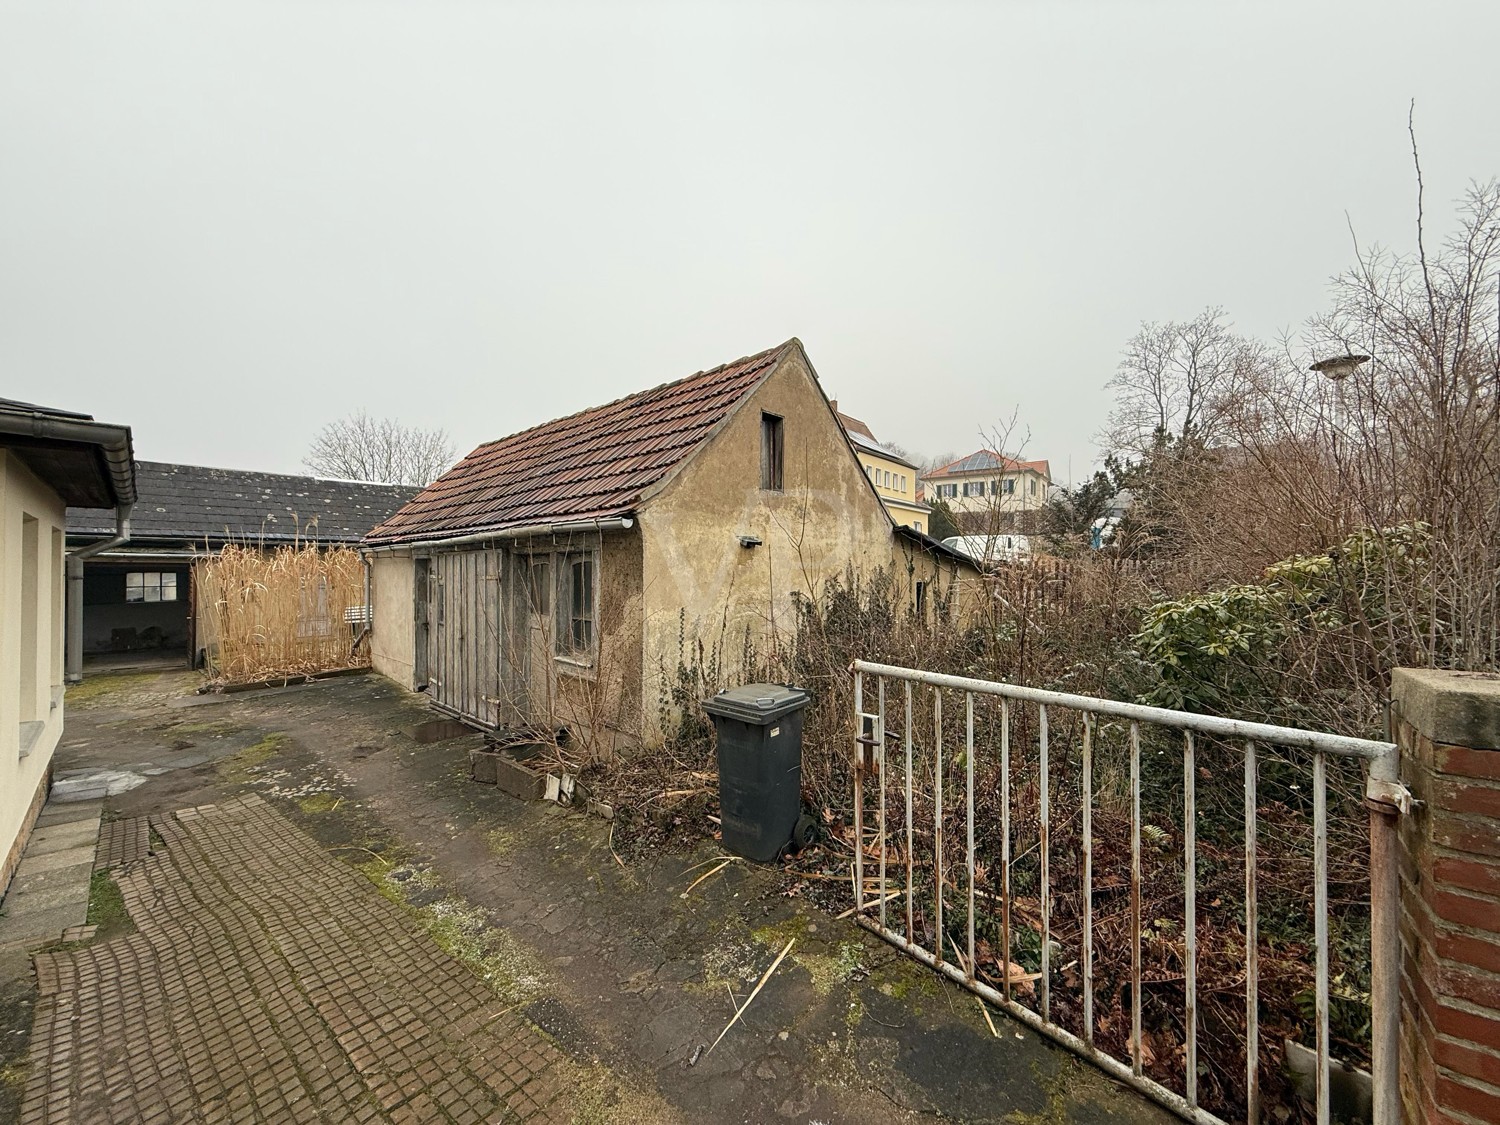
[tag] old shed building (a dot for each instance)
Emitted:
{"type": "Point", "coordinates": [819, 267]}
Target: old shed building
{"type": "Point", "coordinates": [556, 577]}
{"type": "Point", "coordinates": [139, 596]}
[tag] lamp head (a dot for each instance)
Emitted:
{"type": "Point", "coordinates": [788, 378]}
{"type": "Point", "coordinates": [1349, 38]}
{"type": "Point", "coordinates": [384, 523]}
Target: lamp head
{"type": "Point", "coordinates": [1339, 368]}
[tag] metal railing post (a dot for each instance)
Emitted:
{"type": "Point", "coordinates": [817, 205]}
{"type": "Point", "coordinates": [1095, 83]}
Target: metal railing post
{"type": "Point", "coordinates": [1385, 798]}
{"type": "Point", "coordinates": [858, 870]}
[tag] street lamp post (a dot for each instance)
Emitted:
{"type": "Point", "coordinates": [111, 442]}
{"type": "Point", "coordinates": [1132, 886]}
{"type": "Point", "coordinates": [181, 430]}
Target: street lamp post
{"type": "Point", "coordinates": [1385, 884]}
{"type": "Point", "coordinates": [1337, 370]}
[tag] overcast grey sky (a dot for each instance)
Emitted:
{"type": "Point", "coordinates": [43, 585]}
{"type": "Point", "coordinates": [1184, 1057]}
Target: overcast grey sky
{"type": "Point", "coordinates": [228, 223]}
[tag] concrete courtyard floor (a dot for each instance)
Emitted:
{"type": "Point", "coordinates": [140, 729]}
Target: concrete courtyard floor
{"type": "Point", "coordinates": [320, 918]}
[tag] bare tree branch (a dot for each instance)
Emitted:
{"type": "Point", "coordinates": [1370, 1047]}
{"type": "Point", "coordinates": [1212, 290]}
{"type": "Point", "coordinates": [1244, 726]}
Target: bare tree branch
{"type": "Point", "coordinates": [379, 449]}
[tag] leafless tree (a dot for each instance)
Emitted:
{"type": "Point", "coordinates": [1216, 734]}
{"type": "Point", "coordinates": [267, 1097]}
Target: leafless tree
{"type": "Point", "coordinates": [1412, 437]}
{"type": "Point", "coordinates": [1402, 452]}
{"type": "Point", "coordinates": [936, 461]}
{"type": "Point", "coordinates": [1176, 381]}
{"type": "Point", "coordinates": [380, 449]}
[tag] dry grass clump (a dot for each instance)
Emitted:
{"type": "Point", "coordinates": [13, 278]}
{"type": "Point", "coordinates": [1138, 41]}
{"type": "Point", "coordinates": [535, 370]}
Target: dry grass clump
{"type": "Point", "coordinates": [279, 612]}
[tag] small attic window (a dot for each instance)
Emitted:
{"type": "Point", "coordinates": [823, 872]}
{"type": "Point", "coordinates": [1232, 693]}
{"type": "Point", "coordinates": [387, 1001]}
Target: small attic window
{"type": "Point", "coordinates": [772, 453]}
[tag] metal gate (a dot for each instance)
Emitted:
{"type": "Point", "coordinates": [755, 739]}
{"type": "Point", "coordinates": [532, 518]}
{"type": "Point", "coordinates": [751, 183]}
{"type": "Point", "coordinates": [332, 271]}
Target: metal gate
{"type": "Point", "coordinates": [463, 628]}
{"type": "Point", "coordinates": [1040, 755]}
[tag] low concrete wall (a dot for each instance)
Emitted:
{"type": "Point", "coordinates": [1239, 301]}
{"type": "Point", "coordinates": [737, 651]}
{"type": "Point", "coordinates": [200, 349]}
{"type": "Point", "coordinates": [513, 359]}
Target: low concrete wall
{"type": "Point", "coordinates": [1448, 727]}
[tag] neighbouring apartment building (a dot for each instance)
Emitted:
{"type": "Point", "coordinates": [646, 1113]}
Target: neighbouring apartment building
{"type": "Point", "coordinates": [990, 491]}
{"type": "Point", "coordinates": [49, 459]}
{"type": "Point", "coordinates": [894, 477]}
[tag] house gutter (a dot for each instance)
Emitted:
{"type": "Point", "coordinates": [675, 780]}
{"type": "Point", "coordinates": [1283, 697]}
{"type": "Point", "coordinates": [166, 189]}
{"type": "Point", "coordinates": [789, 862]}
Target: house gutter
{"type": "Point", "coordinates": [113, 442]}
{"type": "Point", "coordinates": [619, 523]}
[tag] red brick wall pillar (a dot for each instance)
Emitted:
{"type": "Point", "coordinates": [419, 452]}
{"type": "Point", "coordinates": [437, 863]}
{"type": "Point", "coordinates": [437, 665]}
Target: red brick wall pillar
{"type": "Point", "coordinates": [1448, 728]}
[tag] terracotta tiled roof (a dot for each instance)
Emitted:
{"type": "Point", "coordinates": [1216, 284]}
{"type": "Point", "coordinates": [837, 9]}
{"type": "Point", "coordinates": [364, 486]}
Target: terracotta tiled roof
{"type": "Point", "coordinates": [593, 465]}
{"type": "Point", "coordinates": [987, 460]}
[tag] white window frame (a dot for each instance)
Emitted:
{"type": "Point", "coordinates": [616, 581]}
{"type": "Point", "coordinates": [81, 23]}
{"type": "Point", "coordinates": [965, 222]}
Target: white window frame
{"type": "Point", "coordinates": [150, 580]}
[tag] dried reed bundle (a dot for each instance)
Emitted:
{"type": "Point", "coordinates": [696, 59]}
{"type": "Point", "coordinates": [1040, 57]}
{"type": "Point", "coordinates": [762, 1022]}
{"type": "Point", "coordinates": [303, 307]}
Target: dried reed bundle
{"type": "Point", "coordinates": [278, 612]}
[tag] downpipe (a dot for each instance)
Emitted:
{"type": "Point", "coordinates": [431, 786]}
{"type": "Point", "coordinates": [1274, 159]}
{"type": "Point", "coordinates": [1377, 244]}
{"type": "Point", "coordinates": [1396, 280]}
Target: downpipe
{"type": "Point", "coordinates": [369, 624]}
{"type": "Point", "coordinates": [73, 672]}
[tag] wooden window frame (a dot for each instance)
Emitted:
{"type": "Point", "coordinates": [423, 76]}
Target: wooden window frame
{"type": "Point", "coordinates": [539, 584]}
{"type": "Point", "coordinates": [564, 602]}
{"type": "Point", "coordinates": [772, 452]}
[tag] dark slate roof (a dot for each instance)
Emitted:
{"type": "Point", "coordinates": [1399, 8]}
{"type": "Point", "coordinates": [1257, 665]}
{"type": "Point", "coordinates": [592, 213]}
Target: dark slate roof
{"type": "Point", "coordinates": [191, 503]}
{"type": "Point", "coordinates": [588, 466]}
{"type": "Point", "coordinates": [986, 460]}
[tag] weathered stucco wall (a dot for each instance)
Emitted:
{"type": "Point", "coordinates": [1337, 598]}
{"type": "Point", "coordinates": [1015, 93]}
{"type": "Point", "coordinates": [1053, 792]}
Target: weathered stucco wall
{"type": "Point", "coordinates": [953, 589]}
{"type": "Point", "coordinates": [392, 640]}
{"type": "Point", "coordinates": [701, 585]}
{"type": "Point", "coordinates": [601, 705]}
{"type": "Point", "coordinates": [599, 701]}
{"type": "Point", "coordinates": [32, 523]}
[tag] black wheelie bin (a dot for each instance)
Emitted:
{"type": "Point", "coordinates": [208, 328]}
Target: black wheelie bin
{"type": "Point", "coordinates": [758, 729]}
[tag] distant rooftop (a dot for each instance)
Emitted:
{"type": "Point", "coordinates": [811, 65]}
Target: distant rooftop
{"type": "Point", "coordinates": [861, 437]}
{"type": "Point", "coordinates": [987, 460]}
{"type": "Point", "coordinates": [193, 503]}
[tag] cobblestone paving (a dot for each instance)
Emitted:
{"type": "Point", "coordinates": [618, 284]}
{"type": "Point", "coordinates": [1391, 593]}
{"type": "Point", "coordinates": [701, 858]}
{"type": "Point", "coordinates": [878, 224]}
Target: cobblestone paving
{"type": "Point", "coordinates": [269, 982]}
{"type": "Point", "coordinates": [123, 841]}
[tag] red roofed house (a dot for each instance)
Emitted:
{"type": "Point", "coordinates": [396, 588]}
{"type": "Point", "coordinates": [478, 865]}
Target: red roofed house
{"type": "Point", "coordinates": [555, 577]}
{"type": "Point", "coordinates": [989, 491]}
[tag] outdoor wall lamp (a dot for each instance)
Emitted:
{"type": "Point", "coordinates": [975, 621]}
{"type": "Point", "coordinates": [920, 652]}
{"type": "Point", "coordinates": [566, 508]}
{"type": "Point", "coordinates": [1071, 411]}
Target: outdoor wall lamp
{"type": "Point", "coordinates": [1340, 368]}
{"type": "Point", "coordinates": [749, 541]}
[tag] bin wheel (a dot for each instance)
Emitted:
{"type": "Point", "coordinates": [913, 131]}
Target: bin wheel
{"type": "Point", "coordinates": [805, 834]}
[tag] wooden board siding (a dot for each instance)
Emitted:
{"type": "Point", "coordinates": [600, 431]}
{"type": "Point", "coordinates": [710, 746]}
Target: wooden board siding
{"type": "Point", "coordinates": [465, 649]}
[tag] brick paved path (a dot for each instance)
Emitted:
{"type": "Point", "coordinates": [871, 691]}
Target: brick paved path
{"type": "Point", "coordinates": [269, 982]}
{"type": "Point", "coordinates": [122, 841]}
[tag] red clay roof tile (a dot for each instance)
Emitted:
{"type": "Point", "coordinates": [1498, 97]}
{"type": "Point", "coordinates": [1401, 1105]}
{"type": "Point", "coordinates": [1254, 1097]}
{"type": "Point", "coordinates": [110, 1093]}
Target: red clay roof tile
{"type": "Point", "coordinates": [591, 465]}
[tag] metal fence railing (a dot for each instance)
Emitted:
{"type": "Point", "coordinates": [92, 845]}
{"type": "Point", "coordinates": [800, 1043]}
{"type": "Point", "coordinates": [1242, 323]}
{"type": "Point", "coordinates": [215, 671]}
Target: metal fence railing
{"type": "Point", "coordinates": [1038, 755]}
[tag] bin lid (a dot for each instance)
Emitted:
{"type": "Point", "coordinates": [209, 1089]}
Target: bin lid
{"type": "Point", "coordinates": [756, 703]}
